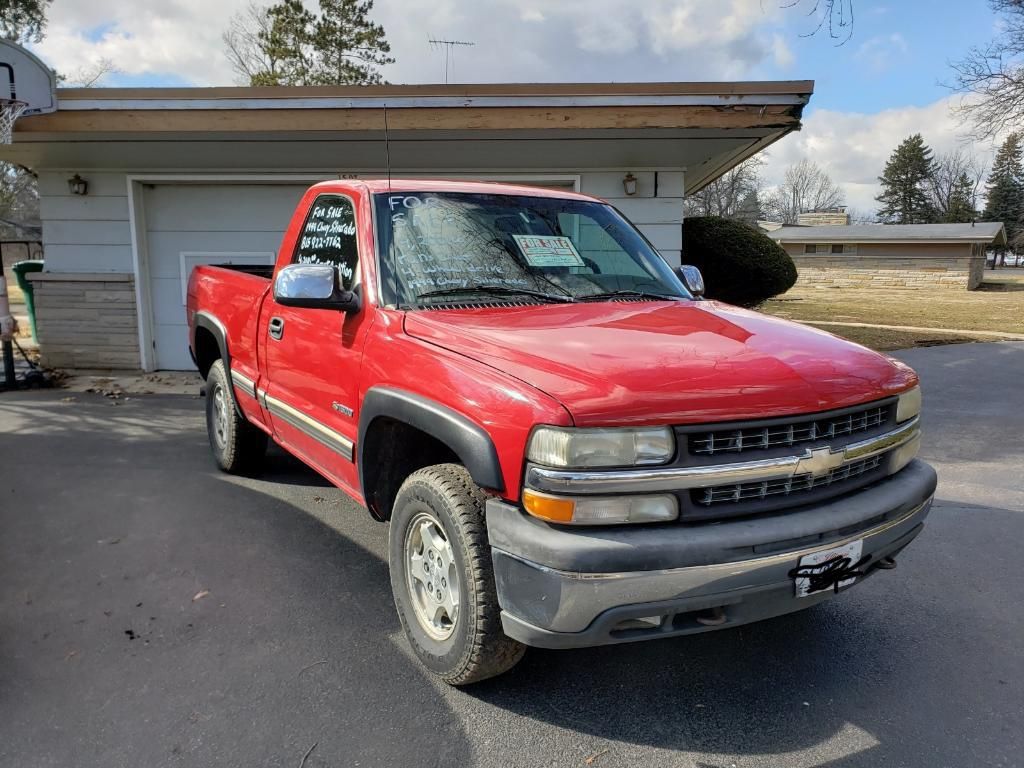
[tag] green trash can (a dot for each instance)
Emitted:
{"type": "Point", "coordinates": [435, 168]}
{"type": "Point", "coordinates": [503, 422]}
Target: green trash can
{"type": "Point", "coordinates": [21, 269]}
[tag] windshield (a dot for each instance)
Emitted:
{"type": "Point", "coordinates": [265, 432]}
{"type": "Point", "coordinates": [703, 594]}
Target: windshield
{"type": "Point", "coordinates": [438, 247]}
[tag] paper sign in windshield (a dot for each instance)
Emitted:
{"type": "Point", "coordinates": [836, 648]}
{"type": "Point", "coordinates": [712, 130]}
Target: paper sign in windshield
{"type": "Point", "coordinates": [552, 251]}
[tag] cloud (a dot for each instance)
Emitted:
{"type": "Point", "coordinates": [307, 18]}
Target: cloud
{"type": "Point", "coordinates": [781, 52]}
{"type": "Point", "coordinates": [853, 147]}
{"type": "Point", "coordinates": [587, 40]}
{"type": "Point", "coordinates": [882, 52]}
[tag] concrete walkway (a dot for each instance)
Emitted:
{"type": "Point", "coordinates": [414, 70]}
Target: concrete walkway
{"type": "Point", "coordinates": [999, 335]}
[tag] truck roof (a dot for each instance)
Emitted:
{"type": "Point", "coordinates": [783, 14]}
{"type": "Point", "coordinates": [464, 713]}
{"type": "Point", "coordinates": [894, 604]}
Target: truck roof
{"type": "Point", "coordinates": [380, 186]}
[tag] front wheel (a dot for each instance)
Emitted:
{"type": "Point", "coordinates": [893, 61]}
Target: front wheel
{"type": "Point", "coordinates": [237, 445]}
{"type": "Point", "coordinates": [442, 578]}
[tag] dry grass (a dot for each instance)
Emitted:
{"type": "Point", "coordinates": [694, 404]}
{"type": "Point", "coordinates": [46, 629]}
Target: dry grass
{"type": "Point", "coordinates": [998, 306]}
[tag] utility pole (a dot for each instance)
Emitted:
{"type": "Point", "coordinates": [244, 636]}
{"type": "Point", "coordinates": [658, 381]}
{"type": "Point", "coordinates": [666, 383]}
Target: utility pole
{"type": "Point", "coordinates": [449, 46]}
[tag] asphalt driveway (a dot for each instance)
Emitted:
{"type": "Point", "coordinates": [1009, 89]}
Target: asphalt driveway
{"type": "Point", "coordinates": [154, 612]}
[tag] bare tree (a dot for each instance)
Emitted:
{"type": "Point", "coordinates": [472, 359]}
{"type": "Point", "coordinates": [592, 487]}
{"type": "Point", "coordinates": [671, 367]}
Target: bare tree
{"type": "Point", "coordinates": [955, 181]}
{"type": "Point", "coordinates": [805, 187]}
{"type": "Point", "coordinates": [244, 43]}
{"type": "Point", "coordinates": [90, 75]}
{"type": "Point", "coordinates": [992, 76]}
{"type": "Point", "coordinates": [732, 196]}
{"type": "Point", "coordinates": [858, 216]}
{"type": "Point", "coordinates": [832, 16]}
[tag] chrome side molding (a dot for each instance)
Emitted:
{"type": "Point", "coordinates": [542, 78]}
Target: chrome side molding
{"type": "Point", "coordinates": [312, 428]}
{"type": "Point", "coordinates": [244, 383]}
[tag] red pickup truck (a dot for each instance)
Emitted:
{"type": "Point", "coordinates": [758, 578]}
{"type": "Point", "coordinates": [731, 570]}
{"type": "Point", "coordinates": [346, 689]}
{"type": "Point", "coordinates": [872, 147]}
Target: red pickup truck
{"type": "Point", "coordinates": [571, 445]}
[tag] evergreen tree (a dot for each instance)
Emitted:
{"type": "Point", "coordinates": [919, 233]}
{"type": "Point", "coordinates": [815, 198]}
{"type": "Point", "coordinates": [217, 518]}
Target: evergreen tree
{"type": "Point", "coordinates": [350, 47]}
{"type": "Point", "coordinates": [905, 184]}
{"type": "Point", "coordinates": [960, 206]}
{"type": "Point", "coordinates": [1005, 190]}
{"type": "Point", "coordinates": [23, 20]}
{"type": "Point", "coordinates": [749, 209]}
{"type": "Point", "coordinates": [288, 42]}
{"type": "Point", "coordinates": [285, 44]}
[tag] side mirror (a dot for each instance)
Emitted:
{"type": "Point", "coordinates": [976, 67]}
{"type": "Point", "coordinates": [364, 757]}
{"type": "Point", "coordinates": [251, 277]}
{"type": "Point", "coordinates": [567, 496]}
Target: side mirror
{"type": "Point", "coordinates": [692, 279]}
{"type": "Point", "coordinates": [314, 286]}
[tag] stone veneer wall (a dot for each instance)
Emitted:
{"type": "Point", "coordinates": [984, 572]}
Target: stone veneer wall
{"type": "Point", "coordinates": [891, 266]}
{"type": "Point", "coordinates": [86, 320]}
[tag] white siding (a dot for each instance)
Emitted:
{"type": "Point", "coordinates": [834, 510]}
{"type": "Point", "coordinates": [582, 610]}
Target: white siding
{"type": "Point", "coordinates": [85, 233]}
{"type": "Point", "coordinates": [659, 216]}
{"type": "Point", "coordinates": [91, 234]}
{"type": "Point", "coordinates": [205, 224]}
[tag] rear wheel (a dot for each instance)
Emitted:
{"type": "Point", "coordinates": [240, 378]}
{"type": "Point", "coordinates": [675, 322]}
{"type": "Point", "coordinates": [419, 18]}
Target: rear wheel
{"type": "Point", "coordinates": [442, 579]}
{"type": "Point", "coordinates": [238, 446]}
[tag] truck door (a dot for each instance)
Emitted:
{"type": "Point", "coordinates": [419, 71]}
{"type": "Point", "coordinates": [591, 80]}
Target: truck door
{"type": "Point", "coordinates": [313, 356]}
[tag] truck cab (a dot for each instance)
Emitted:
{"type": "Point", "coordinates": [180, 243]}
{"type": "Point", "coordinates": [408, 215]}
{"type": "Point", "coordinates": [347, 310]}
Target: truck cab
{"type": "Point", "coordinates": [569, 444]}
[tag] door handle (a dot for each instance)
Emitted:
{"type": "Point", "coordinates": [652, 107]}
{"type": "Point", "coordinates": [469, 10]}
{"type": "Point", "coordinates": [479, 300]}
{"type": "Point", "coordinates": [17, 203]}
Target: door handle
{"type": "Point", "coordinates": [276, 327]}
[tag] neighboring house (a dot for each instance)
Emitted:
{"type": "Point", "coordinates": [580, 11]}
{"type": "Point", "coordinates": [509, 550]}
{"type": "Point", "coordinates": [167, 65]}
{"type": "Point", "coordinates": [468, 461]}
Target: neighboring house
{"type": "Point", "coordinates": [891, 255]}
{"type": "Point", "coordinates": [827, 217]}
{"type": "Point", "coordinates": [176, 177]}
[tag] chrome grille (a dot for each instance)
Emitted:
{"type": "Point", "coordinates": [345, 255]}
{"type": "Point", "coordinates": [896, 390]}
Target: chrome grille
{"type": "Point", "coordinates": [756, 491]}
{"type": "Point", "coordinates": [784, 434]}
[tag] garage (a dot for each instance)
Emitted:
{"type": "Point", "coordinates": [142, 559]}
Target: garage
{"type": "Point", "coordinates": [139, 185]}
{"type": "Point", "coordinates": [190, 224]}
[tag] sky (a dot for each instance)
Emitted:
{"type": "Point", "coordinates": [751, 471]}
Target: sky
{"type": "Point", "coordinates": [882, 84]}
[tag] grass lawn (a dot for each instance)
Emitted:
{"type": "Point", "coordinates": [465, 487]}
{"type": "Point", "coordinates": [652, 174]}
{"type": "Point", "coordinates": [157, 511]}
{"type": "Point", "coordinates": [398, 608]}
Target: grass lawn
{"type": "Point", "coordinates": [997, 306]}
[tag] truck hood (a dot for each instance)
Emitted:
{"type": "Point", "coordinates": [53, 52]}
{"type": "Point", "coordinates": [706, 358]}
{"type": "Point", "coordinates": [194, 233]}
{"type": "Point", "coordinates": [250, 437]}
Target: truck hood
{"type": "Point", "coordinates": [665, 362]}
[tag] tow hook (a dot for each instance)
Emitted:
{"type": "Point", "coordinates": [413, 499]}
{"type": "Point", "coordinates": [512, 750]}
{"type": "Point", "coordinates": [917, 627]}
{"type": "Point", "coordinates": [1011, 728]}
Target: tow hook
{"type": "Point", "coordinates": [886, 563]}
{"type": "Point", "coordinates": [712, 617]}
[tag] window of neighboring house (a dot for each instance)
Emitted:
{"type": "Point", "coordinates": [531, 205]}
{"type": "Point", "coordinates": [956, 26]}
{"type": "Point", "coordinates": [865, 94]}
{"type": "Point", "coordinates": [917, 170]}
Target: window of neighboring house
{"type": "Point", "coordinates": [329, 237]}
{"type": "Point", "coordinates": [837, 247]}
{"type": "Point", "coordinates": [810, 248]}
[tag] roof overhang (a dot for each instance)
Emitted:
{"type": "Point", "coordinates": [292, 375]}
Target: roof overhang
{"type": "Point", "coordinates": [993, 233]}
{"type": "Point", "coordinates": [728, 121]}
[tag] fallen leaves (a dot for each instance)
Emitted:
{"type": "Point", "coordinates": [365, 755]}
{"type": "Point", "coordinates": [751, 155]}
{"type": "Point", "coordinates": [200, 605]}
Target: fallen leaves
{"type": "Point", "coordinates": [200, 594]}
{"type": "Point", "coordinates": [590, 760]}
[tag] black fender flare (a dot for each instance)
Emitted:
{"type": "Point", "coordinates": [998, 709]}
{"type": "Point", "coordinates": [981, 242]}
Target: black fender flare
{"type": "Point", "coordinates": [220, 334]}
{"type": "Point", "coordinates": [468, 440]}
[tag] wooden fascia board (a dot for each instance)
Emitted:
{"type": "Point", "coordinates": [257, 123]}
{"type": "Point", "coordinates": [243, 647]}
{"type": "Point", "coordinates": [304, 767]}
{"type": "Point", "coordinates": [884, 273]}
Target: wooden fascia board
{"type": "Point", "coordinates": [802, 88]}
{"type": "Point", "coordinates": [470, 118]}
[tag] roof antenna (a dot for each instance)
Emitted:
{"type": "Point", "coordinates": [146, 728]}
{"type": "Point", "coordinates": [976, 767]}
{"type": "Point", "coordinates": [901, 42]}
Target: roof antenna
{"type": "Point", "coordinates": [387, 145]}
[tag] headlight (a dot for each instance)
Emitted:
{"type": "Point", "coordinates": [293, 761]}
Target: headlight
{"type": "Point", "coordinates": [593, 510]}
{"type": "Point", "coordinates": [903, 455]}
{"type": "Point", "coordinates": [564, 447]}
{"type": "Point", "coordinates": [909, 405]}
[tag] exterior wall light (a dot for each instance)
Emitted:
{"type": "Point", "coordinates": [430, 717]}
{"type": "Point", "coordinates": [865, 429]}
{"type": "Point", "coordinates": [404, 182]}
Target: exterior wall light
{"type": "Point", "coordinates": [77, 185]}
{"type": "Point", "coordinates": [629, 183]}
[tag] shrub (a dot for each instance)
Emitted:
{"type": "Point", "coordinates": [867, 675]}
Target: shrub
{"type": "Point", "coordinates": [741, 265]}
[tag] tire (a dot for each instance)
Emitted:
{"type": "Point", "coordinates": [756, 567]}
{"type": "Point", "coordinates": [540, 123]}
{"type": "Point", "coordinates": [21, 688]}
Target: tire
{"type": "Point", "coordinates": [441, 509]}
{"type": "Point", "coordinates": [238, 446]}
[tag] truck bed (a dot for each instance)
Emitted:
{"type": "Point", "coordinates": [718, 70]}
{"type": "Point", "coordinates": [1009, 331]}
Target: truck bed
{"type": "Point", "coordinates": [266, 271]}
{"type": "Point", "coordinates": [233, 294]}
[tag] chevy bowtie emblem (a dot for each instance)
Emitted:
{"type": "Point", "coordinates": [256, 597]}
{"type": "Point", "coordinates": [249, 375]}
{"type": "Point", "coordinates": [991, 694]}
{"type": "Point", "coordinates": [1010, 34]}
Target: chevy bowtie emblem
{"type": "Point", "coordinates": [819, 462]}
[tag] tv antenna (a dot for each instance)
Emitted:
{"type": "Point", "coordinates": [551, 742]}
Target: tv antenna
{"type": "Point", "coordinates": [449, 50]}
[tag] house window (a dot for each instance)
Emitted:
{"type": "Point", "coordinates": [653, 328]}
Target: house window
{"type": "Point", "coordinates": [810, 248]}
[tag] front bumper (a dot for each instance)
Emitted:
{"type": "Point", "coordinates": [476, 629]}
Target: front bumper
{"type": "Point", "coordinates": [565, 587]}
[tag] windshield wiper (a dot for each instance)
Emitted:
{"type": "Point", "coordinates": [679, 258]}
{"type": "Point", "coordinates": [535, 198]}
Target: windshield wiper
{"type": "Point", "coordinates": [496, 290]}
{"type": "Point", "coordinates": [628, 293]}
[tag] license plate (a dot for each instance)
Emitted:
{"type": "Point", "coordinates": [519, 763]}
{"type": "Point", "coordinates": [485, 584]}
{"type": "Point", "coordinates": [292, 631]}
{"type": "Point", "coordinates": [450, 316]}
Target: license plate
{"type": "Point", "coordinates": [823, 571]}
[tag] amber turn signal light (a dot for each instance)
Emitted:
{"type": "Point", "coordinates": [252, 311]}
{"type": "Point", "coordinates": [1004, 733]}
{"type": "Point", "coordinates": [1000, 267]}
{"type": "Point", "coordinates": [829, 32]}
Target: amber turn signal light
{"type": "Point", "coordinates": [548, 507]}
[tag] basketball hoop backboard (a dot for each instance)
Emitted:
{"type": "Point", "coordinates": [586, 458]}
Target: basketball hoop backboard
{"type": "Point", "coordinates": [23, 77]}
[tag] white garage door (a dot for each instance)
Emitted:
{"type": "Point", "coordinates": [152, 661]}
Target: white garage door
{"type": "Point", "coordinates": [205, 224]}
